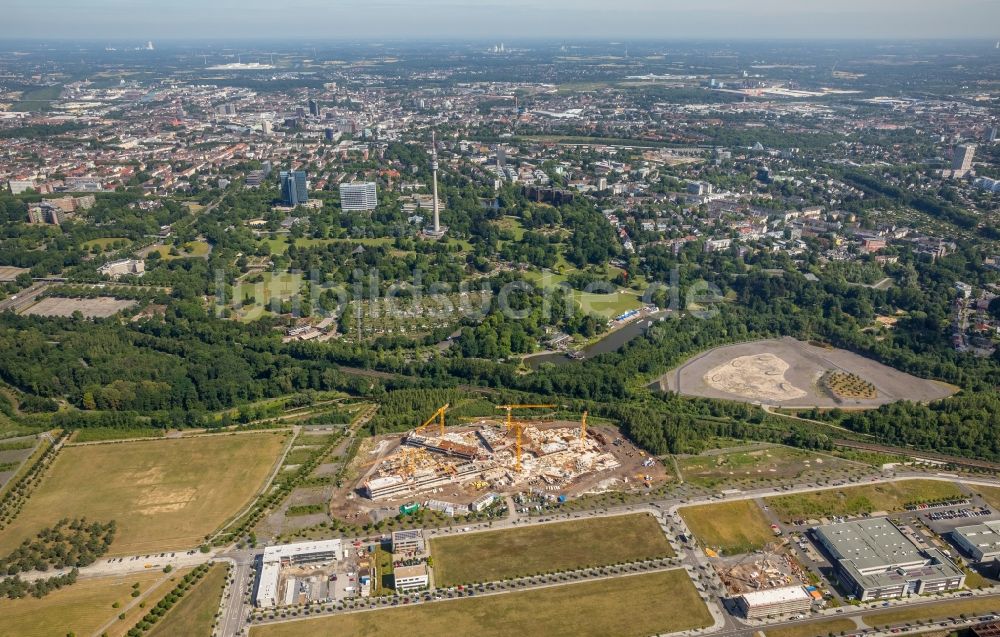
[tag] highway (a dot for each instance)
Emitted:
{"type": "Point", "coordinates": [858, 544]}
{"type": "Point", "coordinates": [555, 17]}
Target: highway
{"type": "Point", "coordinates": [24, 298]}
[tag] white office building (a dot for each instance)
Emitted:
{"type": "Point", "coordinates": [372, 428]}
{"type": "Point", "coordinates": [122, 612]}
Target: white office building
{"type": "Point", "coordinates": [358, 197]}
{"type": "Point", "coordinates": [277, 557]}
{"type": "Point", "coordinates": [408, 578]}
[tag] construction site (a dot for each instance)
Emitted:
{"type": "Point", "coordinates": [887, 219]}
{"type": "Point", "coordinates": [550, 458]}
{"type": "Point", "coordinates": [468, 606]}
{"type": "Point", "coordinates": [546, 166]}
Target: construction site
{"type": "Point", "coordinates": [463, 469]}
{"type": "Point", "coordinates": [773, 567]}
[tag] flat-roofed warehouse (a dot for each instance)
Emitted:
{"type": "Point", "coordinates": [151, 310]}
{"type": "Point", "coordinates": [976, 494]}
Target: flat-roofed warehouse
{"type": "Point", "coordinates": [875, 560]}
{"type": "Point", "coordinates": [775, 601]}
{"type": "Point", "coordinates": [277, 557]}
{"type": "Point", "coordinates": [981, 541]}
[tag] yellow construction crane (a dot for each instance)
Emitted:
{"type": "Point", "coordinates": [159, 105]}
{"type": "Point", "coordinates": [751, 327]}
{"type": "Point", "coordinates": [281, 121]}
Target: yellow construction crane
{"type": "Point", "coordinates": [583, 427]}
{"type": "Point", "coordinates": [438, 415]}
{"type": "Point", "coordinates": [516, 426]}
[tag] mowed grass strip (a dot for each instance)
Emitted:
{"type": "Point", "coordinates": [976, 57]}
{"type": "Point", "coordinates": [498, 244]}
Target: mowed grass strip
{"type": "Point", "coordinates": [729, 527]}
{"type": "Point", "coordinates": [165, 495]}
{"type": "Point", "coordinates": [664, 602]}
{"type": "Point", "coordinates": [80, 608]}
{"type": "Point", "coordinates": [542, 548]}
{"type": "Point", "coordinates": [813, 629]}
{"type": "Point", "coordinates": [869, 498]}
{"type": "Point", "coordinates": [928, 612]}
{"type": "Point", "coordinates": [195, 613]}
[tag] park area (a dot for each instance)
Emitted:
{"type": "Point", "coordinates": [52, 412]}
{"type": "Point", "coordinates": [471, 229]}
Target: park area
{"type": "Point", "coordinates": [792, 373]}
{"type": "Point", "coordinates": [86, 607]}
{"type": "Point", "coordinates": [869, 498]}
{"type": "Point", "coordinates": [199, 249]}
{"type": "Point", "coordinates": [164, 495]}
{"type": "Point", "coordinates": [729, 528]}
{"type": "Point", "coordinates": [546, 548]}
{"type": "Point", "coordinates": [668, 601]}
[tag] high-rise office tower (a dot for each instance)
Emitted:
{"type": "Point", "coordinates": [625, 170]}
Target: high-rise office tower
{"type": "Point", "coordinates": [314, 108]}
{"type": "Point", "coordinates": [358, 197]}
{"type": "Point", "coordinates": [293, 187]}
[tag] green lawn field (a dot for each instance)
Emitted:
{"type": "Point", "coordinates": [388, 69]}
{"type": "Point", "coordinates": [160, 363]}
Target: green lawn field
{"type": "Point", "coordinates": [496, 555]}
{"type": "Point", "coordinates": [664, 602]}
{"type": "Point", "coordinates": [105, 242]}
{"type": "Point", "coordinates": [164, 494]}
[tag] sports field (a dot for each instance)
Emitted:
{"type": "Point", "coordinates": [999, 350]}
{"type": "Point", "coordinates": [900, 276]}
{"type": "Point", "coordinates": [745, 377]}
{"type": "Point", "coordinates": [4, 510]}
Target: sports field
{"type": "Point", "coordinates": [729, 527]}
{"type": "Point", "coordinates": [890, 496]}
{"type": "Point", "coordinates": [664, 602]}
{"type": "Point", "coordinates": [81, 608]}
{"type": "Point", "coordinates": [542, 548]}
{"type": "Point", "coordinates": [164, 494]}
{"type": "Point", "coordinates": [195, 613]}
{"type": "Point", "coordinates": [820, 628]}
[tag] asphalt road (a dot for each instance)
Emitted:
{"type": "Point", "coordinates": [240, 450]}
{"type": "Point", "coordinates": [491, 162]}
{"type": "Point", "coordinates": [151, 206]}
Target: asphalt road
{"type": "Point", "coordinates": [236, 605]}
{"type": "Point", "coordinates": [691, 557]}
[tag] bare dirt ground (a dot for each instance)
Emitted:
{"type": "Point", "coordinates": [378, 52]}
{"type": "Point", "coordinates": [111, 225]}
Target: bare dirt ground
{"type": "Point", "coordinates": [786, 372]}
{"type": "Point", "coordinates": [99, 307]}
{"type": "Point", "coordinates": [757, 377]}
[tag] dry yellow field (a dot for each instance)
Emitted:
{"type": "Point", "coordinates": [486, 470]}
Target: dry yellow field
{"type": "Point", "coordinates": [634, 606]}
{"type": "Point", "coordinates": [165, 494]}
{"type": "Point", "coordinates": [81, 608]}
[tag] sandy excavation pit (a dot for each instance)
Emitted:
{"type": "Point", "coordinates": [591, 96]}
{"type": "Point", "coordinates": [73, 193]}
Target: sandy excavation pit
{"type": "Point", "coordinates": [789, 373]}
{"type": "Point", "coordinates": [757, 377]}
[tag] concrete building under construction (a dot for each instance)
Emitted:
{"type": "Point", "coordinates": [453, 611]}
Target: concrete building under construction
{"type": "Point", "coordinates": [485, 455]}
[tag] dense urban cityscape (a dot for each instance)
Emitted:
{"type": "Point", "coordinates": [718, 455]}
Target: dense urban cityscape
{"type": "Point", "coordinates": [500, 337]}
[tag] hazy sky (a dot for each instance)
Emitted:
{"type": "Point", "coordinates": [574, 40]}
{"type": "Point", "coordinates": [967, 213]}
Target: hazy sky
{"type": "Point", "coordinates": [468, 19]}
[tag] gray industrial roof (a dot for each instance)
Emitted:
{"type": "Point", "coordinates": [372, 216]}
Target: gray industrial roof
{"type": "Point", "coordinates": [877, 554]}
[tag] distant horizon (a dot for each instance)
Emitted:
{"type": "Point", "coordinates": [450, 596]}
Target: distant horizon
{"type": "Point", "coordinates": [501, 19]}
{"type": "Point", "coordinates": [609, 39]}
